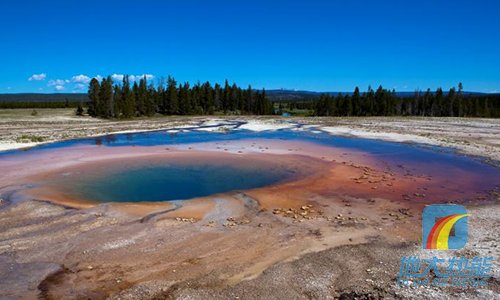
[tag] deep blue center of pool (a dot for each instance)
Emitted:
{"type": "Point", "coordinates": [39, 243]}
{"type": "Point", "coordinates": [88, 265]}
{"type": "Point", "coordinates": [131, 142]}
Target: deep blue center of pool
{"type": "Point", "coordinates": [173, 181]}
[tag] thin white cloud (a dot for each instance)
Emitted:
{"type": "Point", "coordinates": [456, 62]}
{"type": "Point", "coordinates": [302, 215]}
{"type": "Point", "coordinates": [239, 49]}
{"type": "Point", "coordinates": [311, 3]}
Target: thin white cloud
{"type": "Point", "coordinates": [79, 82]}
{"type": "Point", "coordinates": [131, 78]}
{"type": "Point", "coordinates": [80, 79]}
{"type": "Point", "coordinates": [57, 82]}
{"type": "Point", "coordinates": [38, 77]}
{"type": "Point", "coordinates": [139, 77]}
{"type": "Point", "coordinates": [117, 77]}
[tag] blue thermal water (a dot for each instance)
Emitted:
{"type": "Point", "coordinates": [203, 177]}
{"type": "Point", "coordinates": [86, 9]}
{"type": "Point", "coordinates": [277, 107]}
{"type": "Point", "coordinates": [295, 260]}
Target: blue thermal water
{"type": "Point", "coordinates": [174, 181]}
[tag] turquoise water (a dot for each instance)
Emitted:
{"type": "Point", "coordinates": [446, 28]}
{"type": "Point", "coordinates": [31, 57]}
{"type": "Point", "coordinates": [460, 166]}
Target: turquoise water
{"type": "Point", "coordinates": [172, 181]}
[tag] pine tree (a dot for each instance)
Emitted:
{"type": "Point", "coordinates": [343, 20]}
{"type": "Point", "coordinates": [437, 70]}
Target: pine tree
{"type": "Point", "coordinates": [172, 96]}
{"type": "Point", "coordinates": [117, 101]}
{"type": "Point", "coordinates": [207, 98]}
{"type": "Point", "coordinates": [356, 102]}
{"type": "Point", "coordinates": [141, 95]}
{"type": "Point", "coordinates": [249, 99]}
{"type": "Point", "coordinates": [163, 104]}
{"type": "Point", "coordinates": [437, 109]}
{"type": "Point", "coordinates": [226, 96]}
{"type": "Point", "coordinates": [460, 106]}
{"type": "Point", "coordinates": [93, 93]}
{"type": "Point", "coordinates": [184, 99]}
{"type": "Point", "coordinates": [128, 99]}
{"type": "Point", "coordinates": [106, 106]}
{"type": "Point", "coordinates": [151, 101]}
{"type": "Point", "coordinates": [218, 95]}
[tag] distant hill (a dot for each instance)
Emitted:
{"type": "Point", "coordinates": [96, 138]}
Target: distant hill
{"type": "Point", "coordinates": [293, 95]}
{"type": "Point", "coordinates": [33, 97]}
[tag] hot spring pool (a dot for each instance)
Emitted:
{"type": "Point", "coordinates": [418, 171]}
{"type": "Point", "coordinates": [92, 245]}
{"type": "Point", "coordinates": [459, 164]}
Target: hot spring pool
{"type": "Point", "coordinates": [175, 182]}
{"type": "Point", "coordinates": [434, 171]}
{"type": "Point", "coordinates": [161, 180]}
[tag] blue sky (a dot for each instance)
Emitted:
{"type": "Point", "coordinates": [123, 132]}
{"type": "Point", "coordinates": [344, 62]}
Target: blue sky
{"type": "Point", "coordinates": [306, 45]}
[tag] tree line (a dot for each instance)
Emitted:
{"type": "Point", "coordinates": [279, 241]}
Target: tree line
{"type": "Point", "coordinates": [31, 104]}
{"type": "Point", "coordinates": [383, 102]}
{"type": "Point", "coordinates": [125, 100]}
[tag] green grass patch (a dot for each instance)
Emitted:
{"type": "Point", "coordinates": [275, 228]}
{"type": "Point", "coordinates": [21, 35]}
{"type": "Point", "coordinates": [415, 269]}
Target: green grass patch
{"type": "Point", "coordinates": [30, 139]}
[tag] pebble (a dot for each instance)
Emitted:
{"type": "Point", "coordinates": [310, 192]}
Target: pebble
{"type": "Point", "coordinates": [304, 212]}
{"type": "Point", "coordinates": [211, 224]}
{"type": "Point", "coordinates": [191, 220]}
